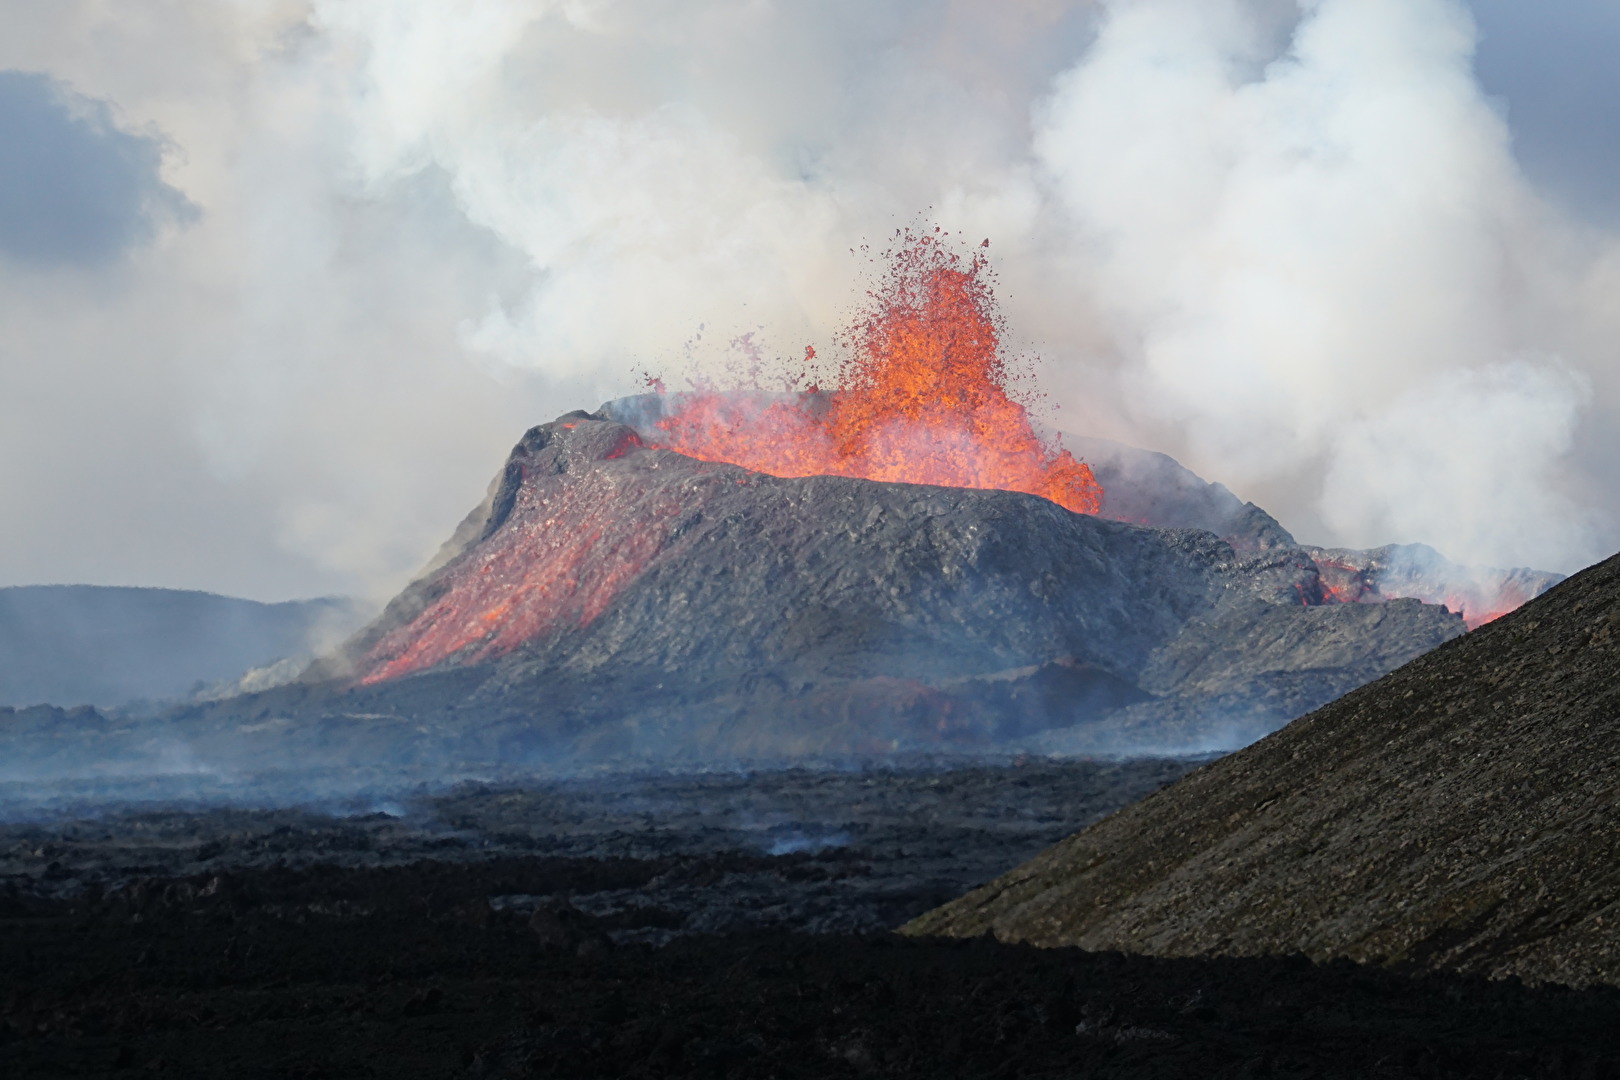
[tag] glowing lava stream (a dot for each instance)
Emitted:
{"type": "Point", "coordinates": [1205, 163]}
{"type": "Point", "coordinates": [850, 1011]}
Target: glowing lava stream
{"type": "Point", "coordinates": [568, 553]}
{"type": "Point", "coordinates": [921, 397]}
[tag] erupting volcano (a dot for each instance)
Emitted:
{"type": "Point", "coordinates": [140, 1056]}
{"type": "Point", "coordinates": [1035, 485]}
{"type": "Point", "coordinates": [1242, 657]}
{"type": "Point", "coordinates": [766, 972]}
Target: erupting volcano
{"type": "Point", "coordinates": [921, 396]}
{"type": "Point", "coordinates": [893, 561]}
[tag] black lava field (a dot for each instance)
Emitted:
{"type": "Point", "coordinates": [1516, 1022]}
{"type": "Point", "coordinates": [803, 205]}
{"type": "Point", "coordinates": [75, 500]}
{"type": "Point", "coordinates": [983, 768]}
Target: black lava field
{"type": "Point", "coordinates": [707, 924]}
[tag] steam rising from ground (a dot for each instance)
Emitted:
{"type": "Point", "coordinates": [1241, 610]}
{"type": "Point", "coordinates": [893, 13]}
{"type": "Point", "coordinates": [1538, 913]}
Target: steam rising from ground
{"type": "Point", "coordinates": [1288, 245]}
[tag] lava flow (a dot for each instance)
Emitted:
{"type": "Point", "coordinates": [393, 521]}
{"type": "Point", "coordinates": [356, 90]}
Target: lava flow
{"type": "Point", "coordinates": [1479, 596]}
{"type": "Point", "coordinates": [921, 397]}
{"type": "Point", "coordinates": [564, 555]}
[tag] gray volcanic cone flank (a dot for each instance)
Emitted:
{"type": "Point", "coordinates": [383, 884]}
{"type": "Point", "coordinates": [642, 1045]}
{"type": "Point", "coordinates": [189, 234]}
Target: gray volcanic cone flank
{"type": "Point", "coordinates": [613, 602]}
{"type": "Point", "coordinates": [1459, 813]}
{"type": "Point", "coordinates": [610, 598]}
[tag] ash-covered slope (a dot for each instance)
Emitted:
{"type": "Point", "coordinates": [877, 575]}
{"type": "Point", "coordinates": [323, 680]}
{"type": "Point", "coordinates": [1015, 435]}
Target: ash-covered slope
{"type": "Point", "coordinates": [613, 600]}
{"type": "Point", "coordinates": [1460, 813]}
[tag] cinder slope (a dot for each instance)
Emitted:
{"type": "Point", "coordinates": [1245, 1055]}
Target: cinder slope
{"type": "Point", "coordinates": [1459, 813]}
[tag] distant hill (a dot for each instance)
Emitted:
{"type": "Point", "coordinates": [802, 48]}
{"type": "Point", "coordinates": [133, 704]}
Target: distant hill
{"type": "Point", "coordinates": [1460, 813]}
{"type": "Point", "coordinates": [105, 646]}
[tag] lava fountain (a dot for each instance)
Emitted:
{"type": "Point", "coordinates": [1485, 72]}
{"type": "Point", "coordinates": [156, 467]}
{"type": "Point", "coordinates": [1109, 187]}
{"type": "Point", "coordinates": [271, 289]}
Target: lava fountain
{"type": "Point", "coordinates": [921, 396]}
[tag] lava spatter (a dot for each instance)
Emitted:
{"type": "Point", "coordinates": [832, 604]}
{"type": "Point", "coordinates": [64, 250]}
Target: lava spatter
{"type": "Point", "coordinates": [922, 396]}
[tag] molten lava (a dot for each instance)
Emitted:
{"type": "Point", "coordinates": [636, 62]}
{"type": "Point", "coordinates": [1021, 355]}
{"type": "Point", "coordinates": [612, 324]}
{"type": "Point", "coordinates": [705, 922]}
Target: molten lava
{"type": "Point", "coordinates": [921, 397]}
{"type": "Point", "coordinates": [1484, 597]}
{"type": "Point", "coordinates": [566, 553]}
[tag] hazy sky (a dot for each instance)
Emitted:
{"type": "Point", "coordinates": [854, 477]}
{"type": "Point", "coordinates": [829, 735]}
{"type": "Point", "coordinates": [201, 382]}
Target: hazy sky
{"type": "Point", "coordinates": [282, 281]}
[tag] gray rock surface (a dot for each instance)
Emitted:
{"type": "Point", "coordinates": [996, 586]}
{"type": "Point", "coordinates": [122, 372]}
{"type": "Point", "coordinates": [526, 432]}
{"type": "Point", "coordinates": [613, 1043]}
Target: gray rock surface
{"type": "Point", "coordinates": [1460, 813]}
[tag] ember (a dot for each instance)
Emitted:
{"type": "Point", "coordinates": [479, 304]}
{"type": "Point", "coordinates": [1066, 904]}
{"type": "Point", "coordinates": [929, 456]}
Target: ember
{"type": "Point", "coordinates": [921, 397]}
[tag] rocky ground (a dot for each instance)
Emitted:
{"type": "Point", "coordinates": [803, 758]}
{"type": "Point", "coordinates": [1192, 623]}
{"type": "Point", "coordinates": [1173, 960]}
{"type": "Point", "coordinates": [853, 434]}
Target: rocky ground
{"type": "Point", "coordinates": [722, 924]}
{"type": "Point", "coordinates": [808, 849]}
{"type": "Point", "coordinates": [1459, 814]}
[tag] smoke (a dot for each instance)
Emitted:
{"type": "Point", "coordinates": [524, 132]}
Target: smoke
{"type": "Point", "coordinates": [668, 171]}
{"type": "Point", "coordinates": [1328, 258]}
{"type": "Point", "coordinates": [1471, 454]}
{"type": "Point", "coordinates": [1290, 245]}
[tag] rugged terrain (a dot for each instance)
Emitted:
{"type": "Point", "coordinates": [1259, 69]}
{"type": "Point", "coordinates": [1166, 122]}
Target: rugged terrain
{"type": "Point", "coordinates": [708, 924]}
{"type": "Point", "coordinates": [800, 849]}
{"type": "Point", "coordinates": [1457, 814]}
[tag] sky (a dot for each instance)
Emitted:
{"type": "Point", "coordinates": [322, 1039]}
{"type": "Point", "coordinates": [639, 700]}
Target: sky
{"type": "Point", "coordinates": [281, 281]}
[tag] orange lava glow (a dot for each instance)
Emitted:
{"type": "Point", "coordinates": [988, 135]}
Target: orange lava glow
{"type": "Point", "coordinates": [564, 556]}
{"type": "Point", "coordinates": [1476, 615]}
{"type": "Point", "coordinates": [921, 397]}
{"type": "Point", "coordinates": [1478, 602]}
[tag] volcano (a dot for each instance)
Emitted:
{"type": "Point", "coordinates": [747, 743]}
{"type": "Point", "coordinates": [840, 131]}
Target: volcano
{"type": "Point", "coordinates": [1456, 814]}
{"type": "Point", "coordinates": [899, 561]}
{"type": "Point", "coordinates": [613, 600]}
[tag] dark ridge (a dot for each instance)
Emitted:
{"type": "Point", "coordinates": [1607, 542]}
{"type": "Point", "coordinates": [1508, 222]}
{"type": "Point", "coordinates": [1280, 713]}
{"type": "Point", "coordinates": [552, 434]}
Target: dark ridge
{"type": "Point", "coordinates": [1458, 814]}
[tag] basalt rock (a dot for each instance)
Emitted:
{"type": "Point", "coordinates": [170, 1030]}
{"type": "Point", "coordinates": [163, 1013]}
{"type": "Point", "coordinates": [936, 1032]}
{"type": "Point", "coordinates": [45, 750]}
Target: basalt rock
{"type": "Point", "coordinates": [1459, 813]}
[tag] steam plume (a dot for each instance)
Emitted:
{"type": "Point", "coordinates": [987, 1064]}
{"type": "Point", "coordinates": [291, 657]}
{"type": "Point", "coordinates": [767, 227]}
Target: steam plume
{"type": "Point", "coordinates": [1328, 256]}
{"type": "Point", "coordinates": [1289, 244]}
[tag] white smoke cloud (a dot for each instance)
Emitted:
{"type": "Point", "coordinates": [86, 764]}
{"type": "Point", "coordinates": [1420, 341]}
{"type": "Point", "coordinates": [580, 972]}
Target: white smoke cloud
{"type": "Point", "coordinates": [1477, 449]}
{"type": "Point", "coordinates": [1289, 244]}
{"type": "Point", "coordinates": [1327, 255]}
{"type": "Point", "coordinates": [648, 204]}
